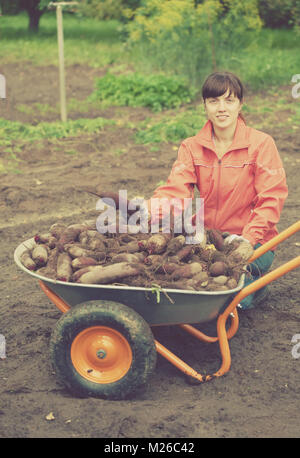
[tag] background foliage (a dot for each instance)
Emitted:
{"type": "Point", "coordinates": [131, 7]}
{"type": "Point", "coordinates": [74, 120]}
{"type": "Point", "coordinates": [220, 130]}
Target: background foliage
{"type": "Point", "coordinates": [187, 39]}
{"type": "Point", "coordinates": [175, 38]}
{"type": "Point", "coordinates": [280, 13]}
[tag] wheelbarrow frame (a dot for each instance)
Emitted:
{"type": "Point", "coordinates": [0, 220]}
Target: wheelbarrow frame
{"type": "Point", "coordinates": [221, 305]}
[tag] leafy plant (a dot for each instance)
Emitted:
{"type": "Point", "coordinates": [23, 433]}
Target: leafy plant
{"type": "Point", "coordinates": [171, 129]}
{"type": "Point", "coordinates": [156, 92]}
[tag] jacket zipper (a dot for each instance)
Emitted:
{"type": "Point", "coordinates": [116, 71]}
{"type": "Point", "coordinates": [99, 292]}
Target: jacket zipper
{"type": "Point", "coordinates": [218, 190]}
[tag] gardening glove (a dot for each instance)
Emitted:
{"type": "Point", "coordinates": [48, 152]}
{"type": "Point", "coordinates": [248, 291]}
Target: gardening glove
{"type": "Point", "coordinates": [234, 237]}
{"type": "Point", "coordinates": [196, 239]}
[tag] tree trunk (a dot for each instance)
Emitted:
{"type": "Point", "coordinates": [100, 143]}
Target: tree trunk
{"type": "Point", "coordinates": [34, 20]}
{"type": "Point", "coordinates": [34, 17]}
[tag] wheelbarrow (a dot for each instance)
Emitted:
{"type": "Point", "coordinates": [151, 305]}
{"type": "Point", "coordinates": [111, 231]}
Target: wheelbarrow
{"type": "Point", "coordinates": [103, 346]}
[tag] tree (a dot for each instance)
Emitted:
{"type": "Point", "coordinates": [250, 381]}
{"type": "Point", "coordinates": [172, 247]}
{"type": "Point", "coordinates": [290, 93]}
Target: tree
{"type": "Point", "coordinates": [35, 9]}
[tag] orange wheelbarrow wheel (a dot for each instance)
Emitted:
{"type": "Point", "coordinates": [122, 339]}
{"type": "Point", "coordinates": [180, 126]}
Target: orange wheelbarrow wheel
{"type": "Point", "coordinates": [102, 349]}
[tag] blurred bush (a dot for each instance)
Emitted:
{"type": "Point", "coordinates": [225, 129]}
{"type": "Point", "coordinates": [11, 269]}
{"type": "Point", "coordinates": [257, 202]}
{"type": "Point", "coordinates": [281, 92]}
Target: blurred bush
{"type": "Point", "coordinates": [10, 7]}
{"type": "Point", "coordinates": [280, 13]}
{"type": "Point", "coordinates": [106, 9]}
{"type": "Point", "coordinates": [184, 38]}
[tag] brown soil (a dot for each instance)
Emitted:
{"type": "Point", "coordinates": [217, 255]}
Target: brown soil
{"type": "Point", "coordinates": [259, 397]}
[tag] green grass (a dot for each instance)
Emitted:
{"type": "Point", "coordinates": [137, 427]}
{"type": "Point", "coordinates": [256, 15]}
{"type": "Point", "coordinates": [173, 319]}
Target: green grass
{"type": "Point", "coordinates": [85, 41]}
{"type": "Point", "coordinates": [296, 115]}
{"type": "Point", "coordinates": [36, 109]}
{"type": "Point", "coordinates": [269, 61]}
{"type": "Point", "coordinates": [41, 109]}
{"type": "Point", "coordinates": [265, 68]}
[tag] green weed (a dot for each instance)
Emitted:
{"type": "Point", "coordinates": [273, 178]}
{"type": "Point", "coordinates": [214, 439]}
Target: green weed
{"type": "Point", "coordinates": [17, 131]}
{"type": "Point", "coordinates": [36, 109]}
{"type": "Point", "coordinates": [11, 160]}
{"type": "Point", "coordinates": [71, 152]}
{"type": "Point", "coordinates": [171, 128]}
{"type": "Point", "coordinates": [82, 106]}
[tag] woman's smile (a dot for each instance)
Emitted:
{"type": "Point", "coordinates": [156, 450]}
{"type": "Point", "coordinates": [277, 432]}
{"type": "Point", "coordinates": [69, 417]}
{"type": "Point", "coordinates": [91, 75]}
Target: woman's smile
{"type": "Point", "coordinates": [222, 117]}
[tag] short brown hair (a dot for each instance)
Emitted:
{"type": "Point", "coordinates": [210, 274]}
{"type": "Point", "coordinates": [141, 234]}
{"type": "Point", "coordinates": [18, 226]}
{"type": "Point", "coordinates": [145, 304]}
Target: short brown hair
{"type": "Point", "coordinates": [218, 83]}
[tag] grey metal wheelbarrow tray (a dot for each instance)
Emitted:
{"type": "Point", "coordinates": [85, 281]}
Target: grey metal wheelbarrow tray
{"type": "Point", "coordinates": [157, 307]}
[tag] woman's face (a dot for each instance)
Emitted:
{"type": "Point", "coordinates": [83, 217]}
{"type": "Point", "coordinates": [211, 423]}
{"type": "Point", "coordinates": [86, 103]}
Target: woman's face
{"type": "Point", "coordinates": [224, 110]}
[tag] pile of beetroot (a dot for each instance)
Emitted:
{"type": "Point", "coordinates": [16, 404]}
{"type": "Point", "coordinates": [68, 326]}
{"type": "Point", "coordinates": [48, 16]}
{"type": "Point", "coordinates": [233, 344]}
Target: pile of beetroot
{"type": "Point", "coordinates": [79, 253]}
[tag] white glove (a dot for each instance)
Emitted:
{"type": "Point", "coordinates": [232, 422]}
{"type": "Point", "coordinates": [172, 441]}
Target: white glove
{"type": "Point", "coordinates": [194, 239]}
{"type": "Point", "coordinates": [234, 237]}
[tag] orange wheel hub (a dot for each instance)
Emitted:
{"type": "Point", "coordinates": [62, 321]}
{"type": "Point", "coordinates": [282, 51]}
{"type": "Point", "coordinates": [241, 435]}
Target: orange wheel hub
{"type": "Point", "coordinates": [101, 354]}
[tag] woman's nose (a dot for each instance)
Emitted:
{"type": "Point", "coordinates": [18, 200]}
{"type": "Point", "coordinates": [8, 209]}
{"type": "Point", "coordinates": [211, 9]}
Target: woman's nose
{"type": "Point", "coordinates": [221, 106]}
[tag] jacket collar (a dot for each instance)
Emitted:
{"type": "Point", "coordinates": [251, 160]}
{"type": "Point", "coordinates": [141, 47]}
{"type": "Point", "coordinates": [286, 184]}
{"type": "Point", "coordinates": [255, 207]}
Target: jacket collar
{"type": "Point", "coordinates": [240, 140]}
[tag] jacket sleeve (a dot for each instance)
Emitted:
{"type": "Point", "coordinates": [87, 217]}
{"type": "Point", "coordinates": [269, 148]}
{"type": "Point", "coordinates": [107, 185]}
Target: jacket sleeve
{"type": "Point", "coordinates": [271, 188]}
{"type": "Point", "coordinates": [181, 181]}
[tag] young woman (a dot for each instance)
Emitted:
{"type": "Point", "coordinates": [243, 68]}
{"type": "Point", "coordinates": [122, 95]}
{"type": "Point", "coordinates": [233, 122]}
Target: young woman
{"type": "Point", "coordinates": [237, 170]}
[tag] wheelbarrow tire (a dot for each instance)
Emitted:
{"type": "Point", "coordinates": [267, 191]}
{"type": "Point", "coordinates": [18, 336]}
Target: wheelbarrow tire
{"type": "Point", "coordinates": [102, 349]}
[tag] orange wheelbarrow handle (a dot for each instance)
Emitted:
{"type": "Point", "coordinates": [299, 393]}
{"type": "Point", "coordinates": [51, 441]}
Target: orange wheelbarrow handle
{"type": "Point", "coordinates": [231, 309]}
{"type": "Point", "coordinates": [257, 284]}
{"type": "Point", "coordinates": [275, 241]}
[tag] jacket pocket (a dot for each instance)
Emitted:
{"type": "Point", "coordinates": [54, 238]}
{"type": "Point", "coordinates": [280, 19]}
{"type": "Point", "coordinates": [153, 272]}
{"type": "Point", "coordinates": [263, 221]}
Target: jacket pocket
{"type": "Point", "coordinates": [205, 178]}
{"type": "Point", "coordinates": [237, 183]}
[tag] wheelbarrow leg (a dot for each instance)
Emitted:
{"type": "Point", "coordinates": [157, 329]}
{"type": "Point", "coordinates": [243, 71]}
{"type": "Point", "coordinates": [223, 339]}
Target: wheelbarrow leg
{"type": "Point", "coordinates": [181, 365]}
{"type": "Point", "coordinates": [223, 336]}
{"type": "Point", "coordinates": [60, 304]}
{"type": "Point", "coordinates": [205, 338]}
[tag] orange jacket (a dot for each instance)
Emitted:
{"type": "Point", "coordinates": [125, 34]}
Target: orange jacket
{"type": "Point", "coordinates": [243, 192]}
